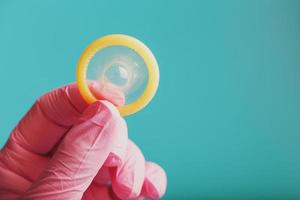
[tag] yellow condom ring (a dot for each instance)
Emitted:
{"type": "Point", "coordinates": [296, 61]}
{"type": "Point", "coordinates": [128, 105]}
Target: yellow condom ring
{"type": "Point", "coordinates": [132, 43]}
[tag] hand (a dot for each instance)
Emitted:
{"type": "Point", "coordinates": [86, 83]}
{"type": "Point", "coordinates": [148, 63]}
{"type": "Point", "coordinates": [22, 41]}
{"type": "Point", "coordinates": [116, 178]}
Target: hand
{"type": "Point", "coordinates": [65, 149]}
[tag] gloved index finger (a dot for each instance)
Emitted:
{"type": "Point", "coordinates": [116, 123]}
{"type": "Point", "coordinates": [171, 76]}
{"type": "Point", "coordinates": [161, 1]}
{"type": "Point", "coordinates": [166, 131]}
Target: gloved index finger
{"type": "Point", "coordinates": [49, 119]}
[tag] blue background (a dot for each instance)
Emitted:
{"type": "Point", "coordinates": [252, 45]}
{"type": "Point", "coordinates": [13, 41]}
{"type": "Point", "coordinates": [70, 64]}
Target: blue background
{"type": "Point", "coordinates": [225, 123]}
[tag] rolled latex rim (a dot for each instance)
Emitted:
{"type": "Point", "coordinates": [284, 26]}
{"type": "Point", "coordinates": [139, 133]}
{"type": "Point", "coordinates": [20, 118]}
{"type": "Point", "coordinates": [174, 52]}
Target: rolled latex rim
{"type": "Point", "coordinates": [132, 43]}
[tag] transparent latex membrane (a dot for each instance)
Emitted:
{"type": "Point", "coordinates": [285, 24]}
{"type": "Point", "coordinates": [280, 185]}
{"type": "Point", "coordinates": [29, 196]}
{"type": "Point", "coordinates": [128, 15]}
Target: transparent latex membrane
{"type": "Point", "coordinates": [121, 67]}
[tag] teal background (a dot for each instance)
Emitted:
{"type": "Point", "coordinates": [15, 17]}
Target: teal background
{"type": "Point", "coordinates": [225, 122]}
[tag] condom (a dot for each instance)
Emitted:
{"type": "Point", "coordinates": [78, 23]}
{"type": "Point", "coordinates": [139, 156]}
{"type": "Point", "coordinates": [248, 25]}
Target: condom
{"type": "Point", "coordinates": [123, 62]}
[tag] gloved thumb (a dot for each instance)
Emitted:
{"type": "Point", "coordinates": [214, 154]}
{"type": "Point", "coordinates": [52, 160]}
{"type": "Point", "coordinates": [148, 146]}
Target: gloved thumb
{"type": "Point", "coordinates": [101, 133]}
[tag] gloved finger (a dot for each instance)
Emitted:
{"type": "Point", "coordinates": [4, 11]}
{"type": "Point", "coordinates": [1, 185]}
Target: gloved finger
{"type": "Point", "coordinates": [100, 131]}
{"type": "Point", "coordinates": [19, 168]}
{"type": "Point", "coordinates": [127, 179]}
{"type": "Point", "coordinates": [155, 182]}
{"type": "Point", "coordinates": [51, 117]}
{"type": "Point", "coordinates": [11, 184]}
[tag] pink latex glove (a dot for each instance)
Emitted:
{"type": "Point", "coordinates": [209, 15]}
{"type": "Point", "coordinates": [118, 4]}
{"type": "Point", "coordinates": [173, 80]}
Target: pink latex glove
{"type": "Point", "coordinates": [64, 149]}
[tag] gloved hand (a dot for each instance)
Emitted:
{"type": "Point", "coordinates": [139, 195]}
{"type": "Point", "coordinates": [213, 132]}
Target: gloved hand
{"type": "Point", "coordinates": [65, 149]}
